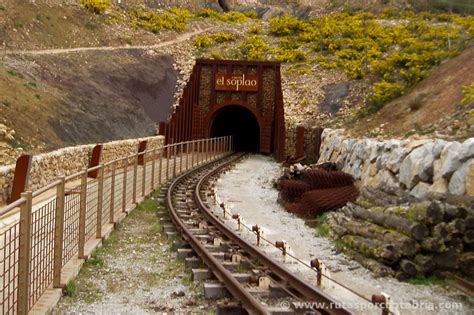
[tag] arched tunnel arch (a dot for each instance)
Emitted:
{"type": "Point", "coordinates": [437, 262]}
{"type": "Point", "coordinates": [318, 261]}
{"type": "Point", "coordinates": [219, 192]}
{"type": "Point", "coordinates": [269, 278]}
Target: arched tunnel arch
{"type": "Point", "coordinates": [239, 122]}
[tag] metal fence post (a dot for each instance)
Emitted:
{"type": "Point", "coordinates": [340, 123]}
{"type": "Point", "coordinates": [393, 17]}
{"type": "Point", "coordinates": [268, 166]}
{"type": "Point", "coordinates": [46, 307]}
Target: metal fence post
{"type": "Point", "coordinates": [124, 186]}
{"type": "Point", "coordinates": [175, 149]}
{"type": "Point", "coordinates": [58, 232]}
{"type": "Point", "coordinates": [82, 216]}
{"type": "Point", "coordinates": [153, 161]}
{"type": "Point", "coordinates": [144, 174]}
{"type": "Point", "coordinates": [100, 198]}
{"type": "Point", "coordinates": [198, 157]}
{"type": "Point", "coordinates": [160, 168]}
{"type": "Point", "coordinates": [25, 252]}
{"type": "Point", "coordinates": [181, 150]}
{"type": "Point", "coordinates": [135, 175]}
{"type": "Point", "coordinates": [167, 163]}
{"type": "Point", "coordinates": [112, 194]}
{"type": "Point", "coordinates": [192, 153]}
{"type": "Point", "coordinates": [187, 155]}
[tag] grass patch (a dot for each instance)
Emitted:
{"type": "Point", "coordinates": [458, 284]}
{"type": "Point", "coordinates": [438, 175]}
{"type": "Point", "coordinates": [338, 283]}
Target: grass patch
{"type": "Point", "coordinates": [423, 280]}
{"type": "Point", "coordinates": [94, 262]}
{"type": "Point", "coordinates": [69, 289]}
{"type": "Point", "coordinates": [322, 225]}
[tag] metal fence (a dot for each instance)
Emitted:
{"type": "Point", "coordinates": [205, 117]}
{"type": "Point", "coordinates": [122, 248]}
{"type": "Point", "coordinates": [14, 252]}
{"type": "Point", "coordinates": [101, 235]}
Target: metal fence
{"type": "Point", "coordinates": [56, 223]}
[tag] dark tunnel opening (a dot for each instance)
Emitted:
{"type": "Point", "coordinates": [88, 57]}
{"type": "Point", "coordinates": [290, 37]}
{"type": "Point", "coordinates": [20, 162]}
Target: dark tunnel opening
{"type": "Point", "coordinates": [240, 123]}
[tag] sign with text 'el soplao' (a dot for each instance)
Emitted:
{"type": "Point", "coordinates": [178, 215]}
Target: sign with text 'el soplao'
{"type": "Point", "coordinates": [236, 82]}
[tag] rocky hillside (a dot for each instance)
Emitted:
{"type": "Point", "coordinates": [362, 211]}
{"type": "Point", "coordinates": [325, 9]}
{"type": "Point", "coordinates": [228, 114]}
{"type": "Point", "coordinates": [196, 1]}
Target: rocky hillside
{"type": "Point", "coordinates": [59, 89]}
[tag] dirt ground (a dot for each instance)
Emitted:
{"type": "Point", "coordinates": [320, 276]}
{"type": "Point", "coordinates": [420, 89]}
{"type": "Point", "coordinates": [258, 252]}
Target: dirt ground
{"type": "Point", "coordinates": [135, 272]}
{"type": "Point", "coordinates": [248, 189]}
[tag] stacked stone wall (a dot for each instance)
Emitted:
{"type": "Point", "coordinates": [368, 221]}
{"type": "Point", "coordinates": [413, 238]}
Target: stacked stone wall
{"type": "Point", "coordinates": [48, 166]}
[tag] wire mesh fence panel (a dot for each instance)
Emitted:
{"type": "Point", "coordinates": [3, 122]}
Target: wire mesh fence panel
{"type": "Point", "coordinates": [9, 260]}
{"type": "Point", "coordinates": [106, 198]}
{"type": "Point", "coordinates": [148, 173]}
{"type": "Point", "coordinates": [42, 250]}
{"type": "Point", "coordinates": [91, 208]}
{"type": "Point", "coordinates": [129, 189]}
{"type": "Point", "coordinates": [118, 193]}
{"type": "Point", "coordinates": [139, 180]}
{"type": "Point", "coordinates": [72, 205]}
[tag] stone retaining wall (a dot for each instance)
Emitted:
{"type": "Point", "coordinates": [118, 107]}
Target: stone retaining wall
{"type": "Point", "coordinates": [423, 167]}
{"type": "Point", "coordinates": [48, 166]}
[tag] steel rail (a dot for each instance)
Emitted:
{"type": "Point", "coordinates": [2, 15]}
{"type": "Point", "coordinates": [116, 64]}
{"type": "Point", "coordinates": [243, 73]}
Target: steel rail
{"type": "Point", "coordinates": [310, 292]}
{"type": "Point", "coordinates": [224, 275]}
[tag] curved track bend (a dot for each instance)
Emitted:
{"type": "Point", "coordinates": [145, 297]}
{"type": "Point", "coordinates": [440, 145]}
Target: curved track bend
{"type": "Point", "coordinates": [256, 283]}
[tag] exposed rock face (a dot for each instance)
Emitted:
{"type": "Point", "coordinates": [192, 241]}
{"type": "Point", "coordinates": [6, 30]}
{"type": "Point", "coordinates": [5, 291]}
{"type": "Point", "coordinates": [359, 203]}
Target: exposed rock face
{"type": "Point", "coordinates": [424, 167]}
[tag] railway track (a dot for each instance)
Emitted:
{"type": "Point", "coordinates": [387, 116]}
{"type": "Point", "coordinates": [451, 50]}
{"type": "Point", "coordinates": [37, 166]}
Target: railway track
{"type": "Point", "coordinates": [241, 277]}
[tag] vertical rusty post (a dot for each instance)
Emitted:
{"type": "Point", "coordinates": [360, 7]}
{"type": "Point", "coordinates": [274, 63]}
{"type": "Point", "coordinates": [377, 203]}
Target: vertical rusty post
{"type": "Point", "coordinates": [299, 141]}
{"type": "Point", "coordinates": [82, 216]}
{"type": "Point", "coordinates": [59, 232]}
{"type": "Point", "coordinates": [318, 132]}
{"type": "Point", "coordinates": [21, 177]}
{"type": "Point", "coordinates": [153, 162]}
{"type": "Point", "coordinates": [135, 178]}
{"type": "Point", "coordinates": [100, 198]}
{"type": "Point", "coordinates": [175, 153]}
{"type": "Point", "coordinates": [143, 174]}
{"type": "Point", "coordinates": [95, 160]}
{"type": "Point", "coordinates": [25, 252]}
{"type": "Point", "coordinates": [112, 194]}
{"type": "Point", "coordinates": [124, 186]}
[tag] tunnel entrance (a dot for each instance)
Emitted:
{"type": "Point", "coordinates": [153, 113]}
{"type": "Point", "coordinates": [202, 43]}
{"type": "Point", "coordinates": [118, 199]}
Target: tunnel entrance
{"type": "Point", "coordinates": [238, 122]}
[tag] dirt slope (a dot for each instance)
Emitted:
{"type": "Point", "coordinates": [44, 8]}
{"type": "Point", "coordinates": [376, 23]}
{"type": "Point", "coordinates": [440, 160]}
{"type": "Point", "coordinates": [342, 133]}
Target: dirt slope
{"type": "Point", "coordinates": [58, 100]}
{"type": "Point", "coordinates": [432, 105]}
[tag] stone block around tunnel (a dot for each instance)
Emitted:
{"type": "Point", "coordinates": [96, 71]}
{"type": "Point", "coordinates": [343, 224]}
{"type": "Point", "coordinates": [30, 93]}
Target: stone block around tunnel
{"type": "Point", "coordinates": [228, 97]}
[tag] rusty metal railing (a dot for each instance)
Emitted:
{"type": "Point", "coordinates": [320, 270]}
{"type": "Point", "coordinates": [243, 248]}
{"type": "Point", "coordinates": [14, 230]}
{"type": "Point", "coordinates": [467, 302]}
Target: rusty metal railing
{"type": "Point", "coordinates": [49, 227]}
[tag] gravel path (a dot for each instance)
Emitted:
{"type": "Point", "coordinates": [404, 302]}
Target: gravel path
{"type": "Point", "coordinates": [248, 189]}
{"type": "Point", "coordinates": [135, 272]}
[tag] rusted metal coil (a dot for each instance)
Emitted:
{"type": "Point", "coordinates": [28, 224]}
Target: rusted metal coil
{"type": "Point", "coordinates": [320, 179]}
{"type": "Point", "coordinates": [321, 200]}
{"type": "Point", "coordinates": [292, 189]}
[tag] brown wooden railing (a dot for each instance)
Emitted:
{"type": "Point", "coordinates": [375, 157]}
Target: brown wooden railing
{"type": "Point", "coordinates": [62, 221]}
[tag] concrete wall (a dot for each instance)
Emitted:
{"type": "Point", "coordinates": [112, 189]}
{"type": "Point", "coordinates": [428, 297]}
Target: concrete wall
{"type": "Point", "coordinates": [48, 166]}
{"type": "Point", "coordinates": [424, 167]}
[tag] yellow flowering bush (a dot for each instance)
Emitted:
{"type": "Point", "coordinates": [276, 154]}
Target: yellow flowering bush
{"type": "Point", "coordinates": [96, 6]}
{"type": "Point", "coordinates": [468, 94]}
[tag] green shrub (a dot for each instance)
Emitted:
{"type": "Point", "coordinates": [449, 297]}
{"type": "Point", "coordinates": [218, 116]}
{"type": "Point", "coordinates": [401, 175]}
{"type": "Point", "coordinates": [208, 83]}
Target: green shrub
{"type": "Point", "coordinates": [222, 37]}
{"type": "Point", "coordinates": [255, 30]}
{"type": "Point", "coordinates": [285, 25]}
{"type": "Point", "coordinates": [202, 41]}
{"type": "Point", "coordinates": [289, 55]}
{"type": "Point", "coordinates": [383, 92]}
{"type": "Point", "coordinates": [468, 94]}
{"type": "Point", "coordinates": [234, 16]}
{"type": "Point", "coordinates": [252, 14]}
{"type": "Point", "coordinates": [254, 48]}
{"type": "Point", "coordinates": [231, 16]}
{"type": "Point", "coordinates": [216, 55]}
{"type": "Point", "coordinates": [173, 18]}
{"type": "Point", "coordinates": [96, 6]}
